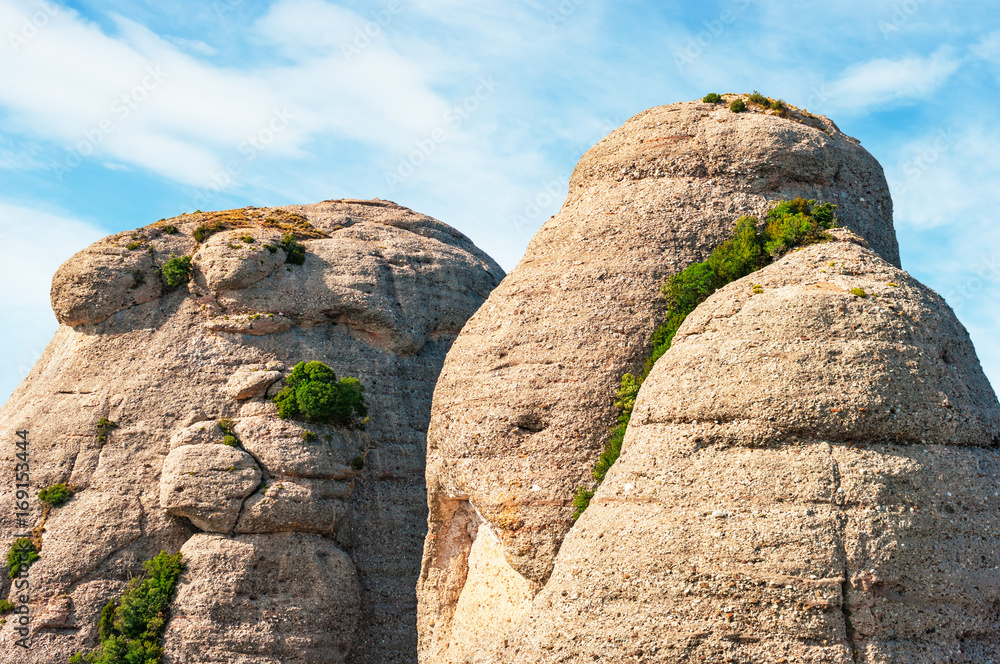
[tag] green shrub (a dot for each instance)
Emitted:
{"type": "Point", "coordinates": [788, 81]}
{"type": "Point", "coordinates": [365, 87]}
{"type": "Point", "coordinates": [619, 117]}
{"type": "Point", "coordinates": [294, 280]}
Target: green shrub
{"type": "Point", "coordinates": [797, 223]}
{"type": "Point", "coordinates": [228, 427]}
{"type": "Point", "coordinates": [789, 224]}
{"type": "Point", "coordinates": [581, 501]}
{"type": "Point", "coordinates": [170, 229]}
{"type": "Point", "coordinates": [132, 246]}
{"type": "Point", "coordinates": [131, 630]}
{"type": "Point", "coordinates": [21, 556]}
{"type": "Point", "coordinates": [309, 437]}
{"type": "Point", "coordinates": [738, 256]}
{"type": "Point", "coordinates": [206, 231]}
{"type": "Point", "coordinates": [312, 392]}
{"type": "Point", "coordinates": [248, 239]}
{"type": "Point", "coordinates": [294, 250]}
{"type": "Point", "coordinates": [6, 606]}
{"type": "Point", "coordinates": [712, 98]}
{"type": "Point", "coordinates": [270, 247]}
{"type": "Point", "coordinates": [138, 278]}
{"type": "Point", "coordinates": [176, 271]}
{"type": "Point", "coordinates": [104, 429]}
{"type": "Point", "coordinates": [738, 106]}
{"type": "Point", "coordinates": [56, 495]}
{"type": "Point", "coordinates": [778, 105]}
{"type": "Point", "coordinates": [859, 292]}
{"type": "Point", "coordinates": [358, 463]}
{"type": "Point", "coordinates": [758, 98]}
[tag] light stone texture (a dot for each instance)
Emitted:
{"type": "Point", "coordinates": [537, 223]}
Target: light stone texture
{"type": "Point", "coordinates": [281, 599]}
{"type": "Point", "coordinates": [250, 383]}
{"type": "Point", "coordinates": [525, 400]}
{"type": "Point", "coordinates": [102, 280]}
{"type": "Point", "coordinates": [225, 262]}
{"type": "Point", "coordinates": [808, 476]}
{"type": "Point", "coordinates": [160, 371]}
{"type": "Point", "coordinates": [207, 484]}
{"type": "Point", "coordinates": [296, 505]}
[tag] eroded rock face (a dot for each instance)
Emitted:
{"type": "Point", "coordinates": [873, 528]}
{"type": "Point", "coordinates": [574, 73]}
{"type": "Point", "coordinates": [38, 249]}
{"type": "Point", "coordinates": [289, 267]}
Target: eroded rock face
{"type": "Point", "coordinates": [808, 474]}
{"type": "Point", "coordinates": [264, 598]}
{"type": "Point", "coordinates": [231, 261]}
{"type": "Point", "coordinates": [525, 401]}
{"type": "Point", "coordinates": [331, 518]}
{"type": "Point", "coordinates": [207, 484]}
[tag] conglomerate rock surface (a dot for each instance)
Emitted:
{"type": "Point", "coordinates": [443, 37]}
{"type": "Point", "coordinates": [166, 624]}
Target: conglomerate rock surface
{"type": "Point", "coordinates": [295, 553]}
{"type": "Point", "coordinates": [525, 400]}
{"type": "Point", "coordinates": [810, 475]}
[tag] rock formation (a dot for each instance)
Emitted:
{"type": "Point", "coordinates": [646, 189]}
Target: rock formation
{"type": "Point", "coordinates": [525, 400]}
{"type": "Point", "coordinates": [302, 540]}
{"type": "Point", "coordinates": [809, 475]}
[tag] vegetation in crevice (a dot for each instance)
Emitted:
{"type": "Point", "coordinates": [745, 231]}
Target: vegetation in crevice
{"type": "Point", "coordinates": [207, 230]}
{"type": "Point", "coordinates": [228, 428]}
{"type": "Point", "coordinates": [176, 271]}
{"type": "Point", "coordinates": [138, 278]}
{"type": "Point", "coordinates": [56, 495]}
{"type": "Point", "coordinates": [295, 251]}
{"type": "Point", "coordinates": [131, 630]}
{"type": "Point", "coordinates": [22, 555]}
{"type": "Point", "coordinates": [312, 392]}
{"type": "Point", "coordinates": [753, 245]}
{"type": "Point", "coordinates": [104, 429]}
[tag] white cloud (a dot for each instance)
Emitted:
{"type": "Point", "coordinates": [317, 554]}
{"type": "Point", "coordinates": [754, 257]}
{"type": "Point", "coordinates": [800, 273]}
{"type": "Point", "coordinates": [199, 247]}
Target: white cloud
{"type": "Point", "coordinates": [33, 244]}
{"type": "Point", "coordinates": [988, 48]}
{"type": "Point", "coordinates": [945, 188]}
{"type": "Point", "coordinates": [883, 81]}
{"type": "Point", "coordinates": [141, 100]}
{"type": "Point", "coordinates": [947, 176]}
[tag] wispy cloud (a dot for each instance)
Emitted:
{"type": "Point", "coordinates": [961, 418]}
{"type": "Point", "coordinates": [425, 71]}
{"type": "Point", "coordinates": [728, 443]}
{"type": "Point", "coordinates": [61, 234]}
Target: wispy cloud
{"type": "Point", "coordinates": [882, 82]}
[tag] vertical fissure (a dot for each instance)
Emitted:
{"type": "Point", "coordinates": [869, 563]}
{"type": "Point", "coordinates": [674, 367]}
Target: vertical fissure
{"type": "Point", "coordinates": [839, 501]}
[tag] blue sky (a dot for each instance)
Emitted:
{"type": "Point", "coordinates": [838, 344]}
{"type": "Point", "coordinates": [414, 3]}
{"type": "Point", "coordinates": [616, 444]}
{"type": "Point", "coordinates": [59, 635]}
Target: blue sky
{"type": "Point", "coordinates": [115, 114]}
